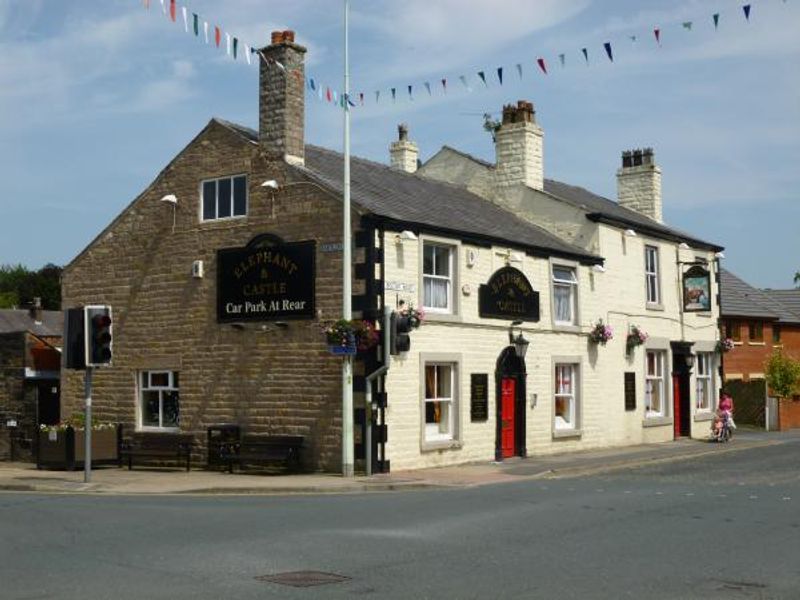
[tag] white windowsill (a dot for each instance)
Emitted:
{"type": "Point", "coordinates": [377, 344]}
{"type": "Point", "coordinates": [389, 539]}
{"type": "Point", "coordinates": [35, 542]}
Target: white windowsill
{"type": "Point", "coordinates": [657, 421]}
{"type": "Point", "coordinates": [704, 416]}
{"type": "Point", "coordinates": [566, 327]}
{"type": "Point", "coordinates": [654, 306]}
{"type": "Point", "coordinates": [158, 430]}
{"type": "Point", "coordinates": [561, 434]}
{"type": "Point", "coordinates": [434, 445]}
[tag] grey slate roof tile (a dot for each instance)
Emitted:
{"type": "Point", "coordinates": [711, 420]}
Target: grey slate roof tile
{"type": "Point", "coordinates": [739, 299]}
{"type": "Point", "coordinates": [18, 321]}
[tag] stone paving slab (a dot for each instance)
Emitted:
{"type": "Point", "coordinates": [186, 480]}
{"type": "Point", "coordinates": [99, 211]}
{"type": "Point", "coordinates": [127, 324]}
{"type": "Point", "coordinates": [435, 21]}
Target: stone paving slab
{"type": "Point", "coordinates": [24, 477]}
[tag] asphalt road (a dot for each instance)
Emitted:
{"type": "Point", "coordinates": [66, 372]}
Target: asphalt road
{"type": "Point", "coordinates": [724, 526]}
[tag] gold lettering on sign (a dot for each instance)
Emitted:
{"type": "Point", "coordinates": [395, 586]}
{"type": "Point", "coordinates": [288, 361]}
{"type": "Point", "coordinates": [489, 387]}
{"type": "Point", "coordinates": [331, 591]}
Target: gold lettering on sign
{"type": "Point", "coordinates": [513, 279]}
{"type": "Point", "coordinates": [265, 258]}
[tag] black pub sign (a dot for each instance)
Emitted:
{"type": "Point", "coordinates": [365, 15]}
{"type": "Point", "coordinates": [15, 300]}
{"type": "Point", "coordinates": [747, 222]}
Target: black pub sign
{"type": "Point", "coordinates": [508, 295]}
{"type": "Point", "coordinates": [266, 282]}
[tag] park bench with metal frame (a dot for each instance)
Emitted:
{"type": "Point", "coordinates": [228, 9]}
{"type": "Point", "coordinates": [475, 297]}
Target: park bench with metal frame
{"type": "Point", "coordinates": [171, 447]}
{"type": "Point", "coordinates": [257, 449]}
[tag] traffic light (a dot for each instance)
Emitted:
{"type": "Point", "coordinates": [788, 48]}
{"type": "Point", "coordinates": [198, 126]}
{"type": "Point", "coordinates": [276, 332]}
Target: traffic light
{"type": "Point", "coordinates": [400, 341]}
{"type": "Point", "coordinates": [98, 335]}
{"type": "Point", "coordinates": [74, 339]}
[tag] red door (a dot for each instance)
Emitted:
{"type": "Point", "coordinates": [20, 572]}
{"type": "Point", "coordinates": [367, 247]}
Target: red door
{"type": "Point", "coordinates": [676, 405]}
{"type": "Point", "coordinates": [508, 388]}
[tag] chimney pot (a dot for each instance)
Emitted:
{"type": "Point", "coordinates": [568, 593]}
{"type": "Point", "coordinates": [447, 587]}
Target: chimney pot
{"type": "Point", "coordinates": [277, 37]}
{"type": "Point", "coordinates": [402, 131]}
{"type": "Point", "coordinates": [288, 36]}
{"type": "Point", "coordinates": [403, 154]}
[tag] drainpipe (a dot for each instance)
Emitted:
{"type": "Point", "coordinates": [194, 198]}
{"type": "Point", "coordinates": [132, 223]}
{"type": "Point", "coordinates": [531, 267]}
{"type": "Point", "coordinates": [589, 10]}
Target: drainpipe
{"type": "Point", "coordinates": [387, 358]}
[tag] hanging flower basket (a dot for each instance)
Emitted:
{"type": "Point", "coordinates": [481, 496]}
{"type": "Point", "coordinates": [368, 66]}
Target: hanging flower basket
{"type": "Point", "coordinates": [725, 345]}
{"type": "Point", "coordinates": [415, 316]}
{"type": "Point", "coordinates": [348, 337]}
{"type": "Point", "coordinates": [636, 337]}
{"type": "Point", "coordinates": [601, 333]}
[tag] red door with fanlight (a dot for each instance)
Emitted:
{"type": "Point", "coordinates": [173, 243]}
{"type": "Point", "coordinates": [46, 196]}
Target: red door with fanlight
{"type": "Point", "coordinates": [508, 388]}
{"type": "Point", "coordinates": [676, 405]}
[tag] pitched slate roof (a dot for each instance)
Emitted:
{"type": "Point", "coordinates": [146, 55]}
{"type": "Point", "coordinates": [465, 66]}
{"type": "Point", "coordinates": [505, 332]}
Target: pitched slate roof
{"type": "Point", "coordinates": [428, 204]}
{"type": "Point", "coordinates": [18, 321]}
{"type": "Point", "coordinates": [788, 298]}
{"type": "Point", "coordinates": [739, 299]}
{"type": "Point", "coordinates": [599, 208]}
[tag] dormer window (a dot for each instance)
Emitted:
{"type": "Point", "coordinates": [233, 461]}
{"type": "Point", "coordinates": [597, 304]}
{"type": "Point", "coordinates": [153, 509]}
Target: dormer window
{"type": "Point", "coordinates": [224, 198]}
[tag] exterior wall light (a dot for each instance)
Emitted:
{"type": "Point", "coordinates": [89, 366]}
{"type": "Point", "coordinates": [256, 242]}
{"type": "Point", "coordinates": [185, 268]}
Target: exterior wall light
{"type": "Point", "coordinates": [271, 184]}
{"type": "Point", "coordinates": [404, 236]}
{"type": "Point", "coordinates": [630, 233]}
{"type": "Point", "coordinates": [518, 341]}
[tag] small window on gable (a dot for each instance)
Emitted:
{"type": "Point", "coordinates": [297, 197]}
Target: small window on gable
{"type": "Point", "coordinates": [224, 198]}
{"type": "Point", "coordinates": [565, 295]}
{"type": "Point", "coordinates": [651, 275]}
{"type": "Point", "coordinates": [437, 277]}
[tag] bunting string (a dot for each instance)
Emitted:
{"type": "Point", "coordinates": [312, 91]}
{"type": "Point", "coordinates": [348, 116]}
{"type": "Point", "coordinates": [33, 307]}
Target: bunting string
{"type": "Point", "coordinates": [212, 34]}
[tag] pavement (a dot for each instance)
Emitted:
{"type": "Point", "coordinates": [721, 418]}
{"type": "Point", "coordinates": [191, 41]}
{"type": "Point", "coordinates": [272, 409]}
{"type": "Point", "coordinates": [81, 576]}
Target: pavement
{"type": "Point", "coordinates": [24, 477]}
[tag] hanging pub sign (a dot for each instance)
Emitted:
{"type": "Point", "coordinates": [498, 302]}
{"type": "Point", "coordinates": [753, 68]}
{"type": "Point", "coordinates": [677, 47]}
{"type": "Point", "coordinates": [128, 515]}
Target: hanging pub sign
{"type": "Point", "coordinates": [266, 282]}
{"type": "Point", "coordinates": [508, 295]}
{"type": "Point", "coordinates": [697, 290]}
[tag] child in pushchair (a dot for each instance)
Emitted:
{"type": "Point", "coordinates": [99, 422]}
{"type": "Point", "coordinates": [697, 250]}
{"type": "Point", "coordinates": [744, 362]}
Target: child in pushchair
{"type": "Point", "coordinates": [723, 425]}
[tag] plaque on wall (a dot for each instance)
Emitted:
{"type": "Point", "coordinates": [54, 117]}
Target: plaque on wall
{"type": "Point", "coordinates": [266, 282]}
{"type": "Point", "coordinates": [508, 295]}
{"type": "Point", "coordinates": [697, 290]}
{"type": "Point", "coordinates": [479, 397]}
{"type": "Point", "coordinates": [630, 390]}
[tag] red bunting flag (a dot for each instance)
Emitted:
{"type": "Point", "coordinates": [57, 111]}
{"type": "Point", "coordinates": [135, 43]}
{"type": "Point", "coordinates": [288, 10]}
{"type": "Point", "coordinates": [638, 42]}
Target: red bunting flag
{"type": "Point", "coordinates": [172, 9]}
{"type": "Point", "coordinates": [217, 35]}
{"type": "Point", "coordinates": [657, 33]}
{"type": "Point", "coordinates": [146, 4]}
{"type": "Point", "coordinates": [328, 93]}
{"type": "Point", "coordinates": [542, 66]}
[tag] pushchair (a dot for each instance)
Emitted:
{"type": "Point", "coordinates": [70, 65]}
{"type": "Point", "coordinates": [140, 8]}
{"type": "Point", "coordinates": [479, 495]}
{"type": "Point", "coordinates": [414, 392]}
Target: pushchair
{"type": "Point", "coordinates": [722, 427]}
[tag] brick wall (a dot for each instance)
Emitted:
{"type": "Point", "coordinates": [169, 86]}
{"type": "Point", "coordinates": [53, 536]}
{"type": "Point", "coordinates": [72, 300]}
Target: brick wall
{"type": "Point", "coordinates": [746, 361]}
{"type": "Point", "coordinates": [270, 379]}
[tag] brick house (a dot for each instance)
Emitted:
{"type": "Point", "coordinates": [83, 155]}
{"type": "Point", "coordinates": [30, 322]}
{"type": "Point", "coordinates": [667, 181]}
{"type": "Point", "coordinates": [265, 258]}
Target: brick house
{"type": "Point", "coordinates": [228, 265]}
{"type": "Point", "coordinates": [759, 322]}
{"type": "Point", "coordinates": [30, 363]}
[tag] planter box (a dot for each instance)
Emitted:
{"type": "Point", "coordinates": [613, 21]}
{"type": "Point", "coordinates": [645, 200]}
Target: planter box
{"type": "Point", "coordinates": [66, 449]}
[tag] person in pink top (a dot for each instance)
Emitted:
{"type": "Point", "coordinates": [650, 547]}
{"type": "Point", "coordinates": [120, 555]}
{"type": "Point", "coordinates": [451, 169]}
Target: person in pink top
{"type": "Point", "coordinates": [724, 412]}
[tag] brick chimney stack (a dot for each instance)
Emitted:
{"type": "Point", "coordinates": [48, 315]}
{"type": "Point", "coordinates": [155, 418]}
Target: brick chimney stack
{"type": "Point", "coordinates": [639, 183]}
{"type": "Point", "coordinates": [36, 310]}
{"type": "Point", "coordinates": [518, 148]}
{"type": "Point", "coordinates": [281, 98]}
{"type": "Point", "coordinates": [403, 153]}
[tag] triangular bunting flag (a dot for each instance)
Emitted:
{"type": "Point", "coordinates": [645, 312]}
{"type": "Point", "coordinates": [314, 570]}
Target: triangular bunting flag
{"type": "Point", "coordinates": [500, 75]}
{"type": "Point", "coordinates": [377, 96]}
{"type": "Point", "coordinates": [746, 9]}
{"type": "Point", "coordinates": [394, 94]}
{"type": "Point", "coordinates": [444, 85]}
{"type": "Point", "coordinates": [247, 51]}
{"type": "Point", "coordinates": [632, 38]}
{"type": "Point", "coordinates": [607, 46]}
{"type": "Point", "coordinates": [428, 87]}
{"type": "Point", "coordinates": [328, 94]}
{"type": "Point", "coordinates": [542, 66]}
{"type": "Point", "coordinates": [361, 98]}
{"type": "Point", "coordinates": [350, 102]}
{"type": "Point", "coordinates": [205, 30]}
{"type": "Point", "coordinates": [196, 24]}
{"type": "Point", "coordinates": [163, 7]}
{"type": "Point", "coordinates": [585, 55]}
{"type": "Point", "coordinates": [519, 70]}
{"type": "Point", "coordinates": [657, 33]}
{"type": "Point", "coordinates": [716, 20]}
{"type": "Point", "coordinates": [410, 94]}
{"type": "Point", "coordinates": [228, 43]}
{"type": "Point", "coordinates": [464, 81]}
{"type": "Point", "coordinates": [217, 35]}
{"type": "Point", "coordinates": [185, 19]}
{"type": "Point", "coordinates": [146, 4]}
{"type": "Point", "coordinates": [562, 59]}
{"type": "Point", "coordinates": [235, 44]}
{"type": "Point", "coordinates": [482, 75]}
{"type": "Point", "coordinates": [172, 9]}
{"type": "Point", "coordinates": [312, 84]}
{"type": "Point", "coordinates": [687, 25]}
{"type": "Point", "coordinates": [335, 97]}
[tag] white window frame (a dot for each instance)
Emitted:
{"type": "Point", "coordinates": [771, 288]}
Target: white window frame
{"type": "Point", "coordinates": [652, 277]}
{"type": "Point", "coordinates": [430, 439]}
{"type": "Point", "coordinates": [572, 285]}
{"type": "Point", "coordinates": [216, 181]}
{"type": "Point", "coordinates": [704, 381]}
{"type": "Point", "coordinates": [656, 379]}
{"type": "Point", "coordinates": [452, 251]}
{"type": "Point", "coordinates": [141, 388]}
{"type": "Point", "coordinates": [571, 367]}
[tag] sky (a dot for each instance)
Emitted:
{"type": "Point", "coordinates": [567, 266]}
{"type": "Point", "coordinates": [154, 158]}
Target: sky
{"type": "Point", "coordinates": [97, 97]}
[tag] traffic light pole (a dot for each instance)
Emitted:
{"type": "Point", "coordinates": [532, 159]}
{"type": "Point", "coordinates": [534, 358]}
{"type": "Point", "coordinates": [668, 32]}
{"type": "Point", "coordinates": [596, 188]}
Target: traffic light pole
{"type": "Point", "coordinates": [87, 426]}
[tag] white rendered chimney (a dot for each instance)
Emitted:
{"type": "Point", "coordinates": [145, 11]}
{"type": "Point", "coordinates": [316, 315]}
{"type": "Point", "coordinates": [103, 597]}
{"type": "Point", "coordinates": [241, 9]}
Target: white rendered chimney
{"type": "Point", "coordinates": [518, 148]}
{"type": "Point", "coordinates": [403, 154]}
{"type": "Point", "coordinates": [639, 183]}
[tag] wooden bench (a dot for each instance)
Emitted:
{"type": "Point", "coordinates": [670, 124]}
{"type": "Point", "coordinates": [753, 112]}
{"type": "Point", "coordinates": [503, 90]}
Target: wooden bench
{"type": "Point", "coordinates": [158, 446]}
{"type": "Point", "coordinates": [264, 449]}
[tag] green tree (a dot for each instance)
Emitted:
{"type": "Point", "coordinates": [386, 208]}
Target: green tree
{"type": "Point", "coordinates": [19, 286]}
{"type": "Point", "coordinates": [783, 375]}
